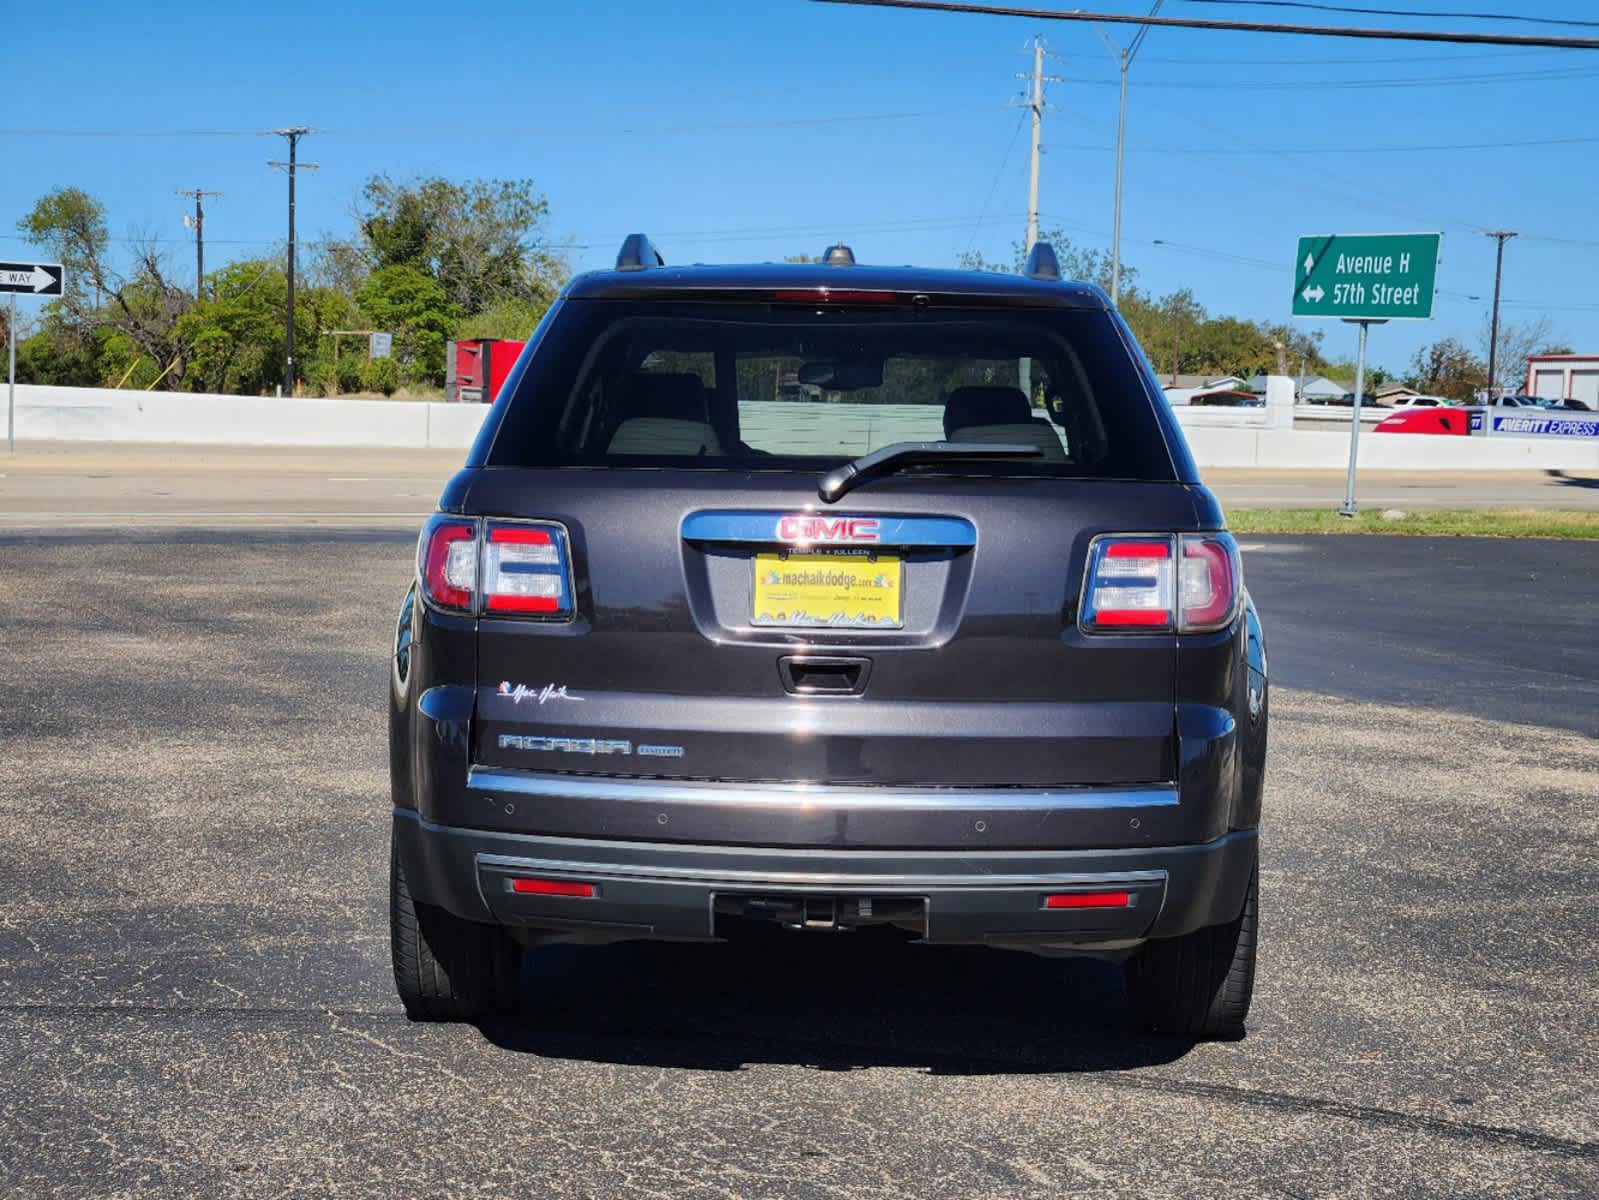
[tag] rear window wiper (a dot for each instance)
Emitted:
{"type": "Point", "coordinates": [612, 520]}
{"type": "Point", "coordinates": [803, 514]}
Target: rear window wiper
{"type": "Point", "coordinates": [841, 480]}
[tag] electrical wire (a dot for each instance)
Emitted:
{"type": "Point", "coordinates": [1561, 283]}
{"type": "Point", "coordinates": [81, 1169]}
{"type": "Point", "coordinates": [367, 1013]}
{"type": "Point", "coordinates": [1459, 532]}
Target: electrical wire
{"type": "Point", "coordinates": [514, 132]}
{"type": "Point", "coordinates": [1405, 12]}
{"type": "Point", "coordinates": [1338, 31]}
{"type": "Point", "coordinates": [1316, 152]}
{"type": "Point", "coordinates": [1004, 161]}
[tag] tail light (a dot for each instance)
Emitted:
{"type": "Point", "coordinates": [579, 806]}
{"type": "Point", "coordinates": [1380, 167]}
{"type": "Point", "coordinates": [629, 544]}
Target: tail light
{"type": "Point", "coordinates": [525, 572]}
{"type": "Point", "coordinates": [500, 568]}
{"type": "Point", "coordinates": [447, 562]}
{"type": "Point", "coordinates": [1208, 581]}
{"type": "Point", "coordinates": [1158, 583]}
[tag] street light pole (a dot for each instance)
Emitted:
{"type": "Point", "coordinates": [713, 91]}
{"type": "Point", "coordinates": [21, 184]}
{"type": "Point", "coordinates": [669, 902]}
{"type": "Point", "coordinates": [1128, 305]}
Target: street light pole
{"type": "Point", "coordinates": [1500, 236]}
{"type": "Point", "coordinates": [1124, 60]}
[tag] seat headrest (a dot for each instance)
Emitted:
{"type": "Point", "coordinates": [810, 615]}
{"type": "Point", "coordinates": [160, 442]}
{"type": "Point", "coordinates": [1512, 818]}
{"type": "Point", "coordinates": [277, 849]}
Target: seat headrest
{"type": "Point", "coordinates": [678, 397]}
{"type": "Point", "coordinates": [968, 406]}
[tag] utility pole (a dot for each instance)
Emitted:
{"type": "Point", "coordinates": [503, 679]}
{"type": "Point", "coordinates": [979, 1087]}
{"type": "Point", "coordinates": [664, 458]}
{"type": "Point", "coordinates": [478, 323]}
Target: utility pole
{"type": "Point", "coordinates": [294, 134]}
{"type": "Point", "coordinates": [1174, 331]}
{"type": "Point", "coordinates": [199, 236]}
{"type": "Point", "coordinates": [1124, 60]}
{"type": "Point", "coordinates": [1036, 103]}
{"type": "Point", "coordinates": [1500, 236]}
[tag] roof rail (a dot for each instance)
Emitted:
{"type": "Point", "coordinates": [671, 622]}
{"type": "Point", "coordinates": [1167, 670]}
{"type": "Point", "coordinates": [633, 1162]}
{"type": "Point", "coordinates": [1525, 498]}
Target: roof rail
{"type": "Point", "coordinates": [838, 255]}
{"type": "Point", "coordinates": [1042, 263]}
{"type": "Point", "coordinates": [638, 253]}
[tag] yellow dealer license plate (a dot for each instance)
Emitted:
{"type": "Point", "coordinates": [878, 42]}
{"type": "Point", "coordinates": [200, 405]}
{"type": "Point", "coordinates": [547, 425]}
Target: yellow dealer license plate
{"type": "Point", "coordinates": [860, 590]}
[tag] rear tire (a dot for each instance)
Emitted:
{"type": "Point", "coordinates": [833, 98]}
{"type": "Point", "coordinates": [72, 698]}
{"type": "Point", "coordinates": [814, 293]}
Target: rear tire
{"type": "Point", "coordinates": [447, 968]}
{"type": "Point", "coordinates": [1198, 985]}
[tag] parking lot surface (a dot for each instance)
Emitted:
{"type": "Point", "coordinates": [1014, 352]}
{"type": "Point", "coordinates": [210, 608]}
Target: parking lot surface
{"type": "Point", "coordinates": [194, 991]}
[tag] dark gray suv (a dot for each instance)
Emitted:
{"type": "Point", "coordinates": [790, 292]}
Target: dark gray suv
{"type": "Point", "coordinates": [829, 596]}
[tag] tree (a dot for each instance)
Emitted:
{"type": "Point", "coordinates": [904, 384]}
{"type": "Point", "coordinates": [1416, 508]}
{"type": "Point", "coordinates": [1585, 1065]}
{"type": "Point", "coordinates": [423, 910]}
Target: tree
{"type": "Point", "coordinates": [482, 241]}
{"type": "Point", "coordinates": [140, 308]}
{"type": "Point", "coordinates": [1447, 368]}
{"type": "Point", "coordinates": [416, 308]}
{"type": "Point", "coordinates": [1518, 341]}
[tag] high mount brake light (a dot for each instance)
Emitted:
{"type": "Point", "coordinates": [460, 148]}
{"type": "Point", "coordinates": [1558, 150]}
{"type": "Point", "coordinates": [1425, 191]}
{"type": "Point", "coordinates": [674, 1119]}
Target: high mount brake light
{"type": "Point", "coordinates": [525, 567]}
{"type": "Point", "coordinates": [824, 295]}
{"type": "Point", "coordinates": [1157, 583]}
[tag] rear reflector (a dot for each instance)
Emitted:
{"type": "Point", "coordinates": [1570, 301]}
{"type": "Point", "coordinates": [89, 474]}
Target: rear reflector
{"type": "Point", "coordinates": [1089, 900]}
{"type": "Point", "coordinates": [552, 887]}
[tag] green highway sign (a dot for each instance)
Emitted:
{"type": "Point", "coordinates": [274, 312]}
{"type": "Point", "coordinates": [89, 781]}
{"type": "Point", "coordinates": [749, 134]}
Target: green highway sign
{"type": "Point", "coordinates": [1366, 276]}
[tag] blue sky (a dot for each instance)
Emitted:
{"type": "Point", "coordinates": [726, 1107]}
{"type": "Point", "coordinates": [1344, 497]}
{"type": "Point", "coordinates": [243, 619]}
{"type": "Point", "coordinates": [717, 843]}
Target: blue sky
{"type": "Point", "coordinates": [690, 121]}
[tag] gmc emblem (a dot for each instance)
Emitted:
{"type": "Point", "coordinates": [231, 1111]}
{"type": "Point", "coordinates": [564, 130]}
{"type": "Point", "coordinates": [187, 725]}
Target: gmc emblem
{"type": "Point", "coordinates": [826, 529]}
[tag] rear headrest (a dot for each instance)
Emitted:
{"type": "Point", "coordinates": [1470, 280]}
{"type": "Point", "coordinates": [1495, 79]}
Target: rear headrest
{"type": "Point", "coordinates": [678, 397]}
{"type": "Point", "coordinates": [968, 406]}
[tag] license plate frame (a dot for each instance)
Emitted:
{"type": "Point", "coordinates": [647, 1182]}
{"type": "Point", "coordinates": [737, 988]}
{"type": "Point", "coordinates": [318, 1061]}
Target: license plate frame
{"type": "Point", "coordinates": [814, 589]}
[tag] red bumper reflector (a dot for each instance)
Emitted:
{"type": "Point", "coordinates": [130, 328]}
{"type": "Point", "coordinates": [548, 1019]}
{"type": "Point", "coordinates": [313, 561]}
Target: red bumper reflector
{"type": "Point", "coordinates": [551, 887]}
{"type": "Point", "coordinates": [1089, 900]}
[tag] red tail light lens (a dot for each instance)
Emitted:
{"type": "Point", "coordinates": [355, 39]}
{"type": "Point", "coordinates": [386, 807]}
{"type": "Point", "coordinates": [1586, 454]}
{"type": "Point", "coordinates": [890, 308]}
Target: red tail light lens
{"type": "Point", "coordinates": [526, 570]}
{"type": "Point", "coordinates": [447, 562]}
{"type": "Point", "coordinates": [1210, 580]}
{"type": "Point", "coordinates": [1130, 584]}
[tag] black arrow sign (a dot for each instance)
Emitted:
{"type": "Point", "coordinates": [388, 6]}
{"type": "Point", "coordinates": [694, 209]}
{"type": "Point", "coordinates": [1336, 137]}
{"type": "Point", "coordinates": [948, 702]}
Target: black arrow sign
{"type": "Point", "coordinates": [31, 279]}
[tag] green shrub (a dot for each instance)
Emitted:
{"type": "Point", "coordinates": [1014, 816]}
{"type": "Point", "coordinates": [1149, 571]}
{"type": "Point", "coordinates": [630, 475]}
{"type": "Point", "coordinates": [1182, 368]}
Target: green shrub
{"type": "Point", "coordinates": [380, 375]}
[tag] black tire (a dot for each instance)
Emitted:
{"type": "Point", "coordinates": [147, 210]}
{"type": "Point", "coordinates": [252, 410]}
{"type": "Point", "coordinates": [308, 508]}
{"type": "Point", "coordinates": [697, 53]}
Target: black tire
{"type": "Point", "coordinates": [1198, 985]}
{"type": "Point", "coordinates": [446, 968]}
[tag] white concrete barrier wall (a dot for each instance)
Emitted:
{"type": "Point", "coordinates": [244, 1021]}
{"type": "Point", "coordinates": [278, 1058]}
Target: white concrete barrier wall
{"type": "Point", "coordinates": [106, 415]}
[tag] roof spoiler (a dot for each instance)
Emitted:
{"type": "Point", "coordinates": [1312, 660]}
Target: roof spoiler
{"type": "Point", "coordinates": [638, 253]}
{"type": "Point", "coordinates": [1042, 263]}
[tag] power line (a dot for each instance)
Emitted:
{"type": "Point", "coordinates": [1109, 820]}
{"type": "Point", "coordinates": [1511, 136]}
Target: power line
{"type": "Point", "coordinates": [1213, 151]}
{"type": "Point", "coordinates": [994, 185]}
{"type": "Point", "coordinates": [515, 132]}
{"type": "Point", "coordinates": [1404, 81]}
{"type": "Point", "coordinates": [1404, 12]}
{"type": "Point", "coordinates": [1340, 31]}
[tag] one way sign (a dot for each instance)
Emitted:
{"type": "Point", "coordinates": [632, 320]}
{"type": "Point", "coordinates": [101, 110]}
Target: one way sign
{"type": "Point", "coordinates": [31, 279]}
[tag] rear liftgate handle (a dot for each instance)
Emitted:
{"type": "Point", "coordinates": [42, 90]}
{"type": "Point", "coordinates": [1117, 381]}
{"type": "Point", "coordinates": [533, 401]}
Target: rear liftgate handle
{"type": "Point", "coordinates": [813, 675]}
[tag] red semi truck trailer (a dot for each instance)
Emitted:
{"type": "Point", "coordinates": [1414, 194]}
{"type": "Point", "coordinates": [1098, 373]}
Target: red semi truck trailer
{"type": "Point", "coordinates": [475, 369]}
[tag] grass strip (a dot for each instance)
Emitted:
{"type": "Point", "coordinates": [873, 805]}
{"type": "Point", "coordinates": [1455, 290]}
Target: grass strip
{"type": "Point", "coordinates": [1438, 522]}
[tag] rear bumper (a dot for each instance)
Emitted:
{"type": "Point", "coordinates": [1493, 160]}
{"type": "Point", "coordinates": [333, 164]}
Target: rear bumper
{"type": "Point", "coordinates": [673, 891]}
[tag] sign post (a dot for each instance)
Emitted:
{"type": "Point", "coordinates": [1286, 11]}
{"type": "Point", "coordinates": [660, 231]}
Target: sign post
{"type": "Point", "coordinates": [1365, 280]}
{"type": "Point", "coordinates": [33, 279]}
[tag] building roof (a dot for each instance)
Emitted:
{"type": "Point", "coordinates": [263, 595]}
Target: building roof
{"type": "Point", "coordinates": [1196, 381]}
{"type": "Point", "coordinates": [1394, 388]}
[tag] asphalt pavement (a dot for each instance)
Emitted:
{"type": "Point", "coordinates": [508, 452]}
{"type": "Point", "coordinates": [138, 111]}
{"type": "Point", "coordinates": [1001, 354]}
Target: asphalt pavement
{"type": "Point", "coordinates": [149, 485]}
{"type": "Point", "coordinates": [194, 988]}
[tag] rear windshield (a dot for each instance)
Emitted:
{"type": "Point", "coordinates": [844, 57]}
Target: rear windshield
{"type": "Point", "coordinates": [769, 387]}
